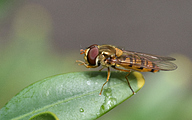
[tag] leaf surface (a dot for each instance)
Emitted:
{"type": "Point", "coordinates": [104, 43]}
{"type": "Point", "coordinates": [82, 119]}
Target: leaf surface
{"type": "Point", "coordinates": [72, 95]}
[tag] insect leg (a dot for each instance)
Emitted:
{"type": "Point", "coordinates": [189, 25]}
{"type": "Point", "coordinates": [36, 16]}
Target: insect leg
{"type": "Point", "coordinates": [83, 63]}
{"type": "Point", "coordinates": [108, 75]}
{"type": "Point", "coordinates": [126, 77]}
{"type": "Point", "coordinates": [129, 83]}
{"type": "Point", "coordinates": [101, 68]}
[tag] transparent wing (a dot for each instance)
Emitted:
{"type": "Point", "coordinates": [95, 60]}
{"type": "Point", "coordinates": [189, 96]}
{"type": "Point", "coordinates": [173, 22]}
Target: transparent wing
{"type": "Point", "coordinates": [161, 62]}
{"type": "Point", "coordinates": [165, 65]}
{"type": "Point", "coordinates": [153, 57]}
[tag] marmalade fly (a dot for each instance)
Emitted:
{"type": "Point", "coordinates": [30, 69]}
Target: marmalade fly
{"type": "Point", "coordinates": [123, 60]}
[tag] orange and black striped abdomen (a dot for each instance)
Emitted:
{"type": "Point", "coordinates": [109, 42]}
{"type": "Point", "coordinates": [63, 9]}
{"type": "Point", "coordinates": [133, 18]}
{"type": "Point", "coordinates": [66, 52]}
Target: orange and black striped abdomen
{"type": "Point", "coordinates": [138, 64]}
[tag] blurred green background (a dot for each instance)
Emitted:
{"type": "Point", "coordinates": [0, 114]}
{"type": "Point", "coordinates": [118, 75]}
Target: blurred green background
{"type": "Point", "coordinates": [39, 39]}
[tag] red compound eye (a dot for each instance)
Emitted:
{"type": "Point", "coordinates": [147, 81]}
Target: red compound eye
{"type": "Point", "coordinates": [92, 54]}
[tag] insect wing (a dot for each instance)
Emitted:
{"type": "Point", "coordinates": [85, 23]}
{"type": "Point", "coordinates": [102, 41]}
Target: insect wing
{"type": "Point", "coordinates": [161, 61]}
{"type": "Point", "coordinates": [153, 57]}
{"type": "Point", "coordinates": [144, 60]}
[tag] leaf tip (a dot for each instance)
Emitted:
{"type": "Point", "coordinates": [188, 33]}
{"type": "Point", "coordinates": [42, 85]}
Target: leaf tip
{"type": "Point", "coordinates": [140, 79]}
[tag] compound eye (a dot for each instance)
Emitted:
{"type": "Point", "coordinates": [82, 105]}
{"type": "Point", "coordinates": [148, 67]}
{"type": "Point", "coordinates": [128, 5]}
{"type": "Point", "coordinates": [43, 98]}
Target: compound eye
{"type": "Point", "coordinates": [92, 54]}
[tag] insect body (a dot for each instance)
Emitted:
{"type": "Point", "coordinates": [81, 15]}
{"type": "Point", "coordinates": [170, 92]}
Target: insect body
{"type": "Point", "coordinates": [111, 56]}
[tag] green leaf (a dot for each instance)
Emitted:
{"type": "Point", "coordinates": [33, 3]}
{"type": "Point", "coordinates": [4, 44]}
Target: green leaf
{"type": "Point", "coordinates": [72, 95]}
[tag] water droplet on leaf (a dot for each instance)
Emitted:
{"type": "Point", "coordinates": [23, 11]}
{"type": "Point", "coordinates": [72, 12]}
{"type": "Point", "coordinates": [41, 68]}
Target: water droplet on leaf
{"type": "Point", "coordinates": [81, 110]}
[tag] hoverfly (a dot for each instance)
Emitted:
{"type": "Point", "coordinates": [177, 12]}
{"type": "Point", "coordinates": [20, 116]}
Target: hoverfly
{"type": "Point", "coordinates": [123, 60]}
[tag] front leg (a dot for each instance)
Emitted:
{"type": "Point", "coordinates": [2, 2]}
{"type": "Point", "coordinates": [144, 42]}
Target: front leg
{"type": "Point", "coordinates": [83, 63]}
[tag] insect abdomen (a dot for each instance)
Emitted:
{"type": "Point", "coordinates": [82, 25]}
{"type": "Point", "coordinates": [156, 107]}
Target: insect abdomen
{"type": "Point", "coordinates": [141, 65]}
